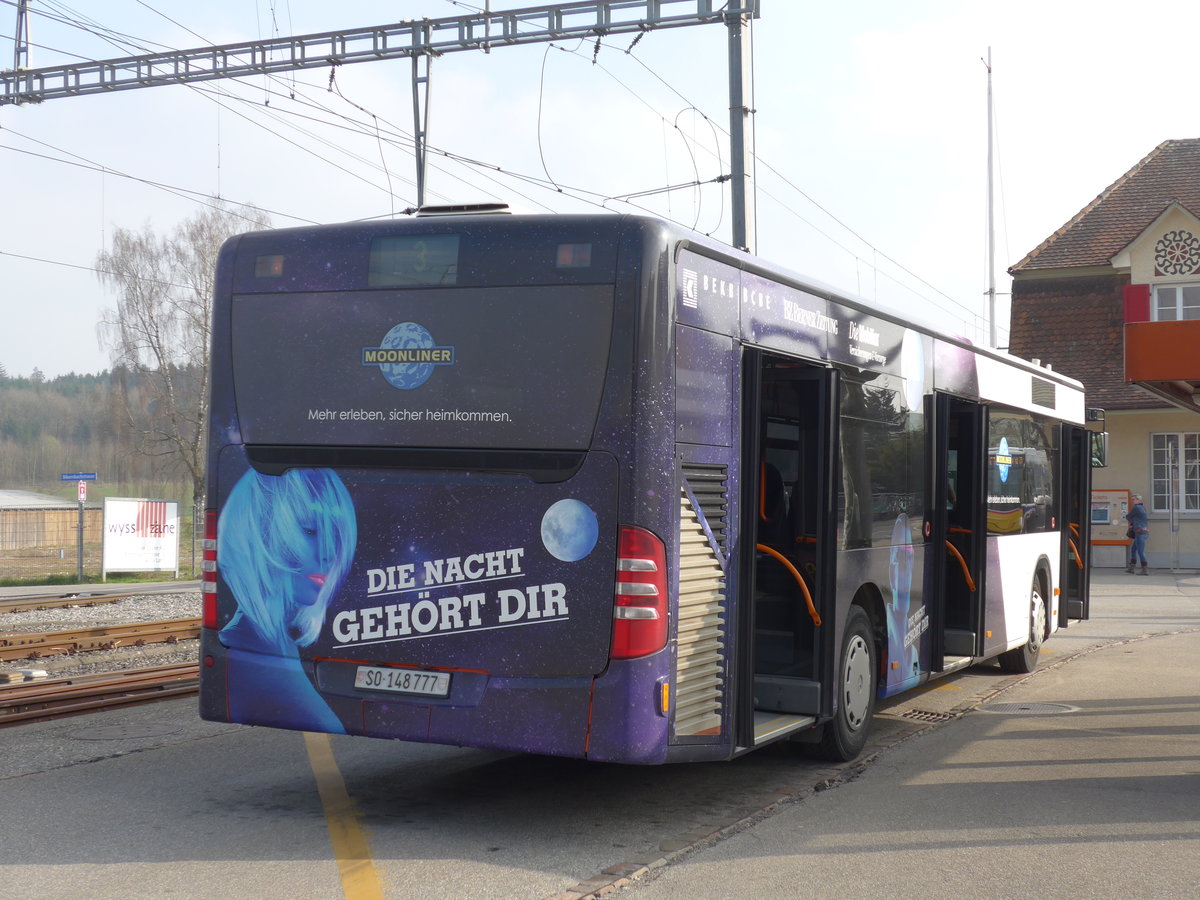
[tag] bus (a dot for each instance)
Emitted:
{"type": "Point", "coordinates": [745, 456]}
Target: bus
{"type": "Point", "coordinates": [600, 487]}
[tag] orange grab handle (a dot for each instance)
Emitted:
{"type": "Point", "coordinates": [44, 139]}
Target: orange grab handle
{"type": "Point", "coordinates": [1075, 550]}
{"type": "Point", "coordinates": [1074, 526]}
{"type": "Point", "coordinates": [962, 562]}
{"type": "Point", "coordinates": [812, 610]}
{"type": "Point", "coordinates": [954, 529]}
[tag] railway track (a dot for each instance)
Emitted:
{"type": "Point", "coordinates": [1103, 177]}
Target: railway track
{"type": "Point", "coordinates": [61, 697]}
{"type": "Point", "coordinates": [33, 602]}
{"type": "Point", "coordinates": [39, 599]}
{"type": "Point", "coordinates": [37, 645]}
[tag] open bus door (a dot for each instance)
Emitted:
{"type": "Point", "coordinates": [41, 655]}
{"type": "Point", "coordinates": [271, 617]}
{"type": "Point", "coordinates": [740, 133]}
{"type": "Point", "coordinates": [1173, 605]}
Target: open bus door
{"type": "Point", "coordinates": [786, 602]}
{"type": "Point", "coordinates": [1076, 567]}
{"type": "Point", "coordinates": [958, 531]}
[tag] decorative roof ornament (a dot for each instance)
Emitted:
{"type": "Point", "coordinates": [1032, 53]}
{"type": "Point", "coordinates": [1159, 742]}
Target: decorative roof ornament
{"type": "Point", "coordinates": [1177, 253]}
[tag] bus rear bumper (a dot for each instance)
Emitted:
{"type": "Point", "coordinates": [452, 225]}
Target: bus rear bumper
{"type": "Point", "coordinates": [629, 724]}
{"type": "Point", "coordinates": [616, 717]}
{"type": "Point", "coordinates": [525, 715]}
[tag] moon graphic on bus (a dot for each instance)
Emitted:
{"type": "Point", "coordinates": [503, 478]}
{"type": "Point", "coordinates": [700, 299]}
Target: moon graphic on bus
{"type": "Point", "coordinates": [569, 530]}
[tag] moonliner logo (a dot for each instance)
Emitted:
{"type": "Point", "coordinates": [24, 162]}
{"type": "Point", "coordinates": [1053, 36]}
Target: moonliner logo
{"type": "Point", "coordinates": [407, 355]}
{"type": "Point", "coordinates": [1003, 460]}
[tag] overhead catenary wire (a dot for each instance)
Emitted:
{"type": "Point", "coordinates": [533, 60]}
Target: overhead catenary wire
{"type": "Point", "coordinates": [83, 163]}
{"type": "Point", "coordinates": [807, 197]}
{"type": "Point", "coordinates": [131, 43]}
{"type": "Point", "coordinates": [94, 269]}
{"type": "Point", "coordinates": [127, 42]}
{"type": "Point", "coordinates": [216, 93]}
{"type": "Point", "coordinates": [117, 38]}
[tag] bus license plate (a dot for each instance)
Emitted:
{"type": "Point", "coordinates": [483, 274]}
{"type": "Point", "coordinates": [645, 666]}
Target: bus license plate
{"type": "Point", "coordinates": [403, 681]}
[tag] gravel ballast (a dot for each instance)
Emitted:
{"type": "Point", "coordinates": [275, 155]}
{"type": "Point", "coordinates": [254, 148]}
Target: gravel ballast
{"type": "Point", "coordinates": [137, 608]}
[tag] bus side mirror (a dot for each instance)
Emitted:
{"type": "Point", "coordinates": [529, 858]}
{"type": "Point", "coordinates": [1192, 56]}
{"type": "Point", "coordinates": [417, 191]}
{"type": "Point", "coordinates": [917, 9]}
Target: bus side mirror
{"type": "Point", "coordinates": [1099, 441]}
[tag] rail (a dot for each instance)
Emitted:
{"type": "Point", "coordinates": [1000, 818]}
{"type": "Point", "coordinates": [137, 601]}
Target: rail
{"type": "Point", "coordinates": [61, 697]}
{"type": "Point", "coordinates": [34, 602]}
{"type": "Point", "coordinates": [35, 645]}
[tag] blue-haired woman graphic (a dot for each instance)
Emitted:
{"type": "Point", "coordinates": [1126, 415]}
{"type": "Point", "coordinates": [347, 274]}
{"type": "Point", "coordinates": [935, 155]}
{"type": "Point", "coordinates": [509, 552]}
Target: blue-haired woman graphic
{"type": "Point", "coordinates": [285, 543]}
{"type": "Point", "coordinates": [901, 649]}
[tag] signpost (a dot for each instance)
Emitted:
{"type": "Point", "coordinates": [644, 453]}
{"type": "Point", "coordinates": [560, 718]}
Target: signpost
{"type": "Point", "coordinates": [83, 478]}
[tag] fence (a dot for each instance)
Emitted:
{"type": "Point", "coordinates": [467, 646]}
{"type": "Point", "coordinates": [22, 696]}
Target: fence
{"type": "Point", "coordinates": [42, 545]}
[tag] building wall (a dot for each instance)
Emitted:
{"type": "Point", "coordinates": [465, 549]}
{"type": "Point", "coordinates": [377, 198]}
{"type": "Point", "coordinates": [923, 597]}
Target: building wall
{"type": "Point", "coordinates": [1077, 325]}
{"type": "Point", "coordinates": [1129, 436]}
{"type": "Point", "coordinates": [1142, 255]}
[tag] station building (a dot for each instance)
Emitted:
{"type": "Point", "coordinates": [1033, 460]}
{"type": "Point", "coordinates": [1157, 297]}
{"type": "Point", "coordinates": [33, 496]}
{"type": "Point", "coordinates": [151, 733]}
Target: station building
{"type": "Point", "coordinates": [1112, 298]}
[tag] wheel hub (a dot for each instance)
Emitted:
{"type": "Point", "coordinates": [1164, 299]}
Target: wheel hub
{"type": "Point", "coordinates": [856, 694]}
{"type": "Point", "coordinates": [1037, 622]}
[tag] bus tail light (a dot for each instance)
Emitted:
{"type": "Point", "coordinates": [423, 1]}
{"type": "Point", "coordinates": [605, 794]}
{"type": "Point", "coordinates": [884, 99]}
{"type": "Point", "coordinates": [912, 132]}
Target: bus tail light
{"type": "Point", "coordinates": [208, 567]}
{"type": "Point", "coordinates": [640, 610]}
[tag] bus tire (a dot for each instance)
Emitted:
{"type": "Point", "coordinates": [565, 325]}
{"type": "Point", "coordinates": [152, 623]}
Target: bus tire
{"type": "Point", "coordinates": [1024, 659]}
{"type": "Point", "coordinates": [844, 736]}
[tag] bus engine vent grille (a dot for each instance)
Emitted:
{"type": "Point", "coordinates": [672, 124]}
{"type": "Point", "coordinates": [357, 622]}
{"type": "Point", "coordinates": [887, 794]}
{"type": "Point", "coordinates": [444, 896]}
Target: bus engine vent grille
{"type": "Point", "coordinates": [700, 657]}
{"type": "Point", "coordinates": [709, 485]}
{"type": "Point", "coordinates": [1043, 392]}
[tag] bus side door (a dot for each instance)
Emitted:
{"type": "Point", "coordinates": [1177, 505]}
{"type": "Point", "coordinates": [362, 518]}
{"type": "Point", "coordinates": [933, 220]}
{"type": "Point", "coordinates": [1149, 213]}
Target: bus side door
{"type": "Point", "coordinates": [1075, 522]}
{"type": "Point", "coordinates": [958, 533]}
{"type": "Point", "coordinates": [788, 615]}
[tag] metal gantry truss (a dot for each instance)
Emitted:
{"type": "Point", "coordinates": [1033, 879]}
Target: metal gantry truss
{"type": "Point", "coordinates": [420, 40]}
{"type": "Point", "coordinates": [21, 42]}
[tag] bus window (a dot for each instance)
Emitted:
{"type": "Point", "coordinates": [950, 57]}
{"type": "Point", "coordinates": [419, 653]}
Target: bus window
{"type": "Point", "coordinates": [1021, 473]}
{"type": "Point", "coordinates": [882, 471]}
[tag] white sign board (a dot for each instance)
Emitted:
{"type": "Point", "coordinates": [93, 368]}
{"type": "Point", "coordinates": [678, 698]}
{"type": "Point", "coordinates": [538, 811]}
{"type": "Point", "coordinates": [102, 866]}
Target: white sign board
{"type": "Point", "coordinates": [140, 535]}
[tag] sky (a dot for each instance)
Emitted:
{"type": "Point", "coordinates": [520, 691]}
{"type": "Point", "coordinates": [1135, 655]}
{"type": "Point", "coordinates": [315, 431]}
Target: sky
{"type": "Point", "coordinates": [870, 131]}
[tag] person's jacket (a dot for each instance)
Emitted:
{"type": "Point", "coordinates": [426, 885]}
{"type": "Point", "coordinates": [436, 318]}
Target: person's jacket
{"type": "Point", "coordinates": [1138, 519]}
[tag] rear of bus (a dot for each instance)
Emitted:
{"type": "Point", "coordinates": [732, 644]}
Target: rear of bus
{"type": "Point", "coordinates": [420, 490]}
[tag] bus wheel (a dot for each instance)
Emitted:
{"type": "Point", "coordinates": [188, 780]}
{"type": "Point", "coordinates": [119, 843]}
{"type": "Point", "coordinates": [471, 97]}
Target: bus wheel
{"type": "Point", "coordinates": [845, 736]}
{"type": "Point", "coordinates": [1025, 658]}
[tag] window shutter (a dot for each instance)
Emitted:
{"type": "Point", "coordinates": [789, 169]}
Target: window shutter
{"type": "Point", "coordinates": [1137, 303]}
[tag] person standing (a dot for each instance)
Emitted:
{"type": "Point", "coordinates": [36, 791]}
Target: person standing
{"type": "Point", "coordinates": [1139, 531]}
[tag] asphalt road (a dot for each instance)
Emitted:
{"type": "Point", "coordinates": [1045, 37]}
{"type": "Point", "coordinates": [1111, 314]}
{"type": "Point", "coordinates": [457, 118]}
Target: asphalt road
{"type": "Point", "coordinates": [1095, 796]}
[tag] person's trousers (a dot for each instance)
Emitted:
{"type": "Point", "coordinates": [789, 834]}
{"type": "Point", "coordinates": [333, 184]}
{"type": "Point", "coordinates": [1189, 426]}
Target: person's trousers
{"type": "Point", "coordinates": [1137, 550]}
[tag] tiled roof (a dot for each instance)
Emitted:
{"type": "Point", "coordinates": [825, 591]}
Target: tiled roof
{"type": "Point", "coordinates": [1170, 173]}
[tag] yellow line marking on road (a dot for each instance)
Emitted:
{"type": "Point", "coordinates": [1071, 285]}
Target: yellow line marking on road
{"type": "Point", "coordinates": [360, 881]}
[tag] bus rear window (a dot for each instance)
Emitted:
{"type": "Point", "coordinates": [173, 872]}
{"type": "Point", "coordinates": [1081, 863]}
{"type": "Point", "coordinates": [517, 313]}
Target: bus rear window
{"type": "Point", "coordinates": [516, 368]}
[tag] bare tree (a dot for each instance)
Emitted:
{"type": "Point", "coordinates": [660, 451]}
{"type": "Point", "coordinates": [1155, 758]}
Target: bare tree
{"type": "Point", "coordinates": [158, 334]}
